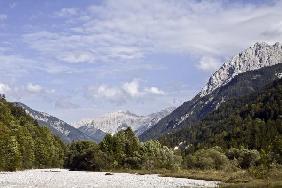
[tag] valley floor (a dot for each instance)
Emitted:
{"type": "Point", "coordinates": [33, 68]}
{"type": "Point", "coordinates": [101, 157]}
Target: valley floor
{"type": "Point", "coordinates": [44, 178]}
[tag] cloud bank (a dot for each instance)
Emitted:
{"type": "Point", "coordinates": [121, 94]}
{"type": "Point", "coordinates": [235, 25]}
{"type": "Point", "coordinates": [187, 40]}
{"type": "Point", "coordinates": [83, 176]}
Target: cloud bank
{"type": "Point", "coordinates": [125, 30]}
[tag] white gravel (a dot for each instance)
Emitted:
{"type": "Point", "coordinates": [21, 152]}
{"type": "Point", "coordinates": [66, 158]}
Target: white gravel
{"type": "Point", "coordinates": [56, 178]}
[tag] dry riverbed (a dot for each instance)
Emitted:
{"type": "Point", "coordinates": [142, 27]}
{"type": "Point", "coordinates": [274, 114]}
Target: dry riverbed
{"type": "Point", "coordinates": [44, 178]}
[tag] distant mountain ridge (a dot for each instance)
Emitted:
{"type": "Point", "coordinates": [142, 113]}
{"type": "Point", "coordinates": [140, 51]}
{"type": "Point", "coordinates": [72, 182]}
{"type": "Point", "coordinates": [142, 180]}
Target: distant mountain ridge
{"type": "Point", "coordinates": [247, 72]}
{"type": "Point", "coordinates": [113, 122]}
{"type": "Point", "coordinates": [58, 127]}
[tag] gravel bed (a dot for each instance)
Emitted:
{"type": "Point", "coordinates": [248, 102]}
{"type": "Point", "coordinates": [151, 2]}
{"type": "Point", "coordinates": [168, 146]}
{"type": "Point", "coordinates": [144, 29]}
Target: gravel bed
{"type": "Point", "coordinates": [59, 178]}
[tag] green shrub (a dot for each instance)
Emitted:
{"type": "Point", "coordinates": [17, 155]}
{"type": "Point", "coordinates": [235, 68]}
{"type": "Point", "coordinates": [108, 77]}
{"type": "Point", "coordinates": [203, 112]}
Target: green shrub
{"type": "Point", "coordinates": [212, 158]}
{"type": "Point", "coordinates": [156, 156]}
{"type": "Point", "coordinates": [277, 148]}
{"type": "Point", "coordinates": [246, 158]}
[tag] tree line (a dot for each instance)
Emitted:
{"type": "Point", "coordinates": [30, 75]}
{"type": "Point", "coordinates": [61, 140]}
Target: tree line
{"type": "Point", "coordinates": [124, 151]}
{"type": "Point", "coordinates": [24, 144]}
{"type": "Point", "coordinates": [120, 151]}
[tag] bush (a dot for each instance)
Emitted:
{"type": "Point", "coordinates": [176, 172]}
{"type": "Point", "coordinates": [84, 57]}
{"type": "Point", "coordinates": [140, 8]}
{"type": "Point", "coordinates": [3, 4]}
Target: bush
{"type": "Point", "coordinates": [246, 158]}
{"type": "Point", "coordinates": [156, 156]}
{"type": "Point", "coordinates": [212, 158]}
{"type": "Point", "coordinates": [277, 148]}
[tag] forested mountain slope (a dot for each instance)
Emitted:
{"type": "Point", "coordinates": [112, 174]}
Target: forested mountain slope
{"type": "Point", "coordinates": [24, 144]}
{"type": "Point", "coordinates": [253, 121]}
{"type": "Point", "coordinates": [247, 72]}
{"type": "Point", "coordinates": [58, 127]}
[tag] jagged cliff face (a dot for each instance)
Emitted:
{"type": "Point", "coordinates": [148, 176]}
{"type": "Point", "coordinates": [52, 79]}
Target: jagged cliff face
{"type": "Point", "coordinates": [255, 57]}
{"type": "Point", "coordinates": [113, 122]}
{"type": "Point", "coordinates": [228, 82]}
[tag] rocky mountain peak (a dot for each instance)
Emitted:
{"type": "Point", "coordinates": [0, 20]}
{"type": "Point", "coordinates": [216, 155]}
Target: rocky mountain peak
{"type": "Point", "coordinates": [115, 121]}
{"type": "Point", "coordinates": [255, 57]}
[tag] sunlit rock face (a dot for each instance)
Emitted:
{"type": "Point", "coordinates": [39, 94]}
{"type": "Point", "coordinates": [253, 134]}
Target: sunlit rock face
{"type": "Point", "coordinates": [255, 57]}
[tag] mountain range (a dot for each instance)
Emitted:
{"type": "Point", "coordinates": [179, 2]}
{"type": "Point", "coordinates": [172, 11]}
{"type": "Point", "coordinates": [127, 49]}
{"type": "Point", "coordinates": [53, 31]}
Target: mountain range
{"type": "Point", "coordinates": [97, 128]}
{"type": "Point", "coordinates": [262, 65]}
{"type": "Point", "coordinates": [58, 127]}
{"type": "Point", "coordinates": [248, 72]}
{"type": "Point", "coordinates": [113, 122]}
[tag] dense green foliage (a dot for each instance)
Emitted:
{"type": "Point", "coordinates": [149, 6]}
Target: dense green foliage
{"type": "Point", "coordinates": [245, 158]}
{"type": "Point", "coordinates": [212, 158]}
{"type": "Point", "coordinates": [217, 158]}
{"type": "Point", "coordinates": [253, 122]}
{"type": "Point", "coordinates": [124, 151]}
{"type": "Point", "coordinates": [23, 144]}
{"type": "Point", "coordinates": [121, 151]}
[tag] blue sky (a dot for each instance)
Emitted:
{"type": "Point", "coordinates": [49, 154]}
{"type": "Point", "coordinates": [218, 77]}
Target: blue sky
{"type": "Point", "coordinates": [81, 59]}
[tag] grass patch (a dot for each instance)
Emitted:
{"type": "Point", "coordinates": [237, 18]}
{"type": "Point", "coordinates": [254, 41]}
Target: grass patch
{"type": "Point", "coordinates": [229, 179]}
{"type": "Point", "coordinates": [262, 183]}
{"type": "Point", "coordinates": [211, 175]}
{"type": "Point", "coordinates": [208, 175]}
{"type": "Point", "coordinates": [254, 184]}
{"type": "Point", "coordinates": [272, 179]}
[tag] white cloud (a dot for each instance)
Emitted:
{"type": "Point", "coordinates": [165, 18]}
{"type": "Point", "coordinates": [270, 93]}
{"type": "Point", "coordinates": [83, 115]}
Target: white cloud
{"type": "Point", "coordinates": [34, 88]}
{"type": "Point", "coordinates": [154, 90]}
{"type": "Point", "coordinates": [132, 88]}
{"type": "Point", "coordinates": [27, 91]}
{"type": "Point", "coordinates": [108, 92]}
{"type": "Point", "coordinates": [209, 64]}
{"type": "Point", "coordinates": [125, 30]}
{"type": "Point", "coordinates": [123, 93]}
{"type": "Point", "coordinates": [4, 88]}
{"type": "Point", "coordinates": [274, 30]}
